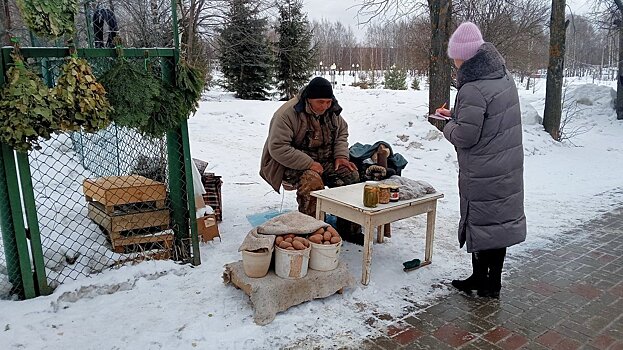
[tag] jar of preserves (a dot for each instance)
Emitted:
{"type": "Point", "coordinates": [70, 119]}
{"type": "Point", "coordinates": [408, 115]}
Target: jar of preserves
{"type": "Point", "coordinates": [384, 193]}
{"type": "Point", "coordinates": [394, 193]}
{"type": "Point", "coordinates": [370, 194]}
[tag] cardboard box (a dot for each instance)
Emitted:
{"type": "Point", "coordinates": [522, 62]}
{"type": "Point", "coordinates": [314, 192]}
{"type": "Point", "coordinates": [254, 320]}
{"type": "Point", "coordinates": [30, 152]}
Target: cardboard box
{"type": "Point", "coordinates": [207, 228]}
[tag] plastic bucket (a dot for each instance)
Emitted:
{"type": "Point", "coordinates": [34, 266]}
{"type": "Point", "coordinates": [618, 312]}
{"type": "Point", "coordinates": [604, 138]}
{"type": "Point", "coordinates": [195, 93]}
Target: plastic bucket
{"type": "Point", "coordinates": [255, 264]}
{"type": "Point", "coordinates": [324, 257]}
{"type": "Point", "coordinates": [291, 264]}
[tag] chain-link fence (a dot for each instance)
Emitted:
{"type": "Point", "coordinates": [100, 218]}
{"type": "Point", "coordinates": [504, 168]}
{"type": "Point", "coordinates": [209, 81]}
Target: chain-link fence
{"type": "Point", "coordinates": [86, 202]}
{"type": "Point", "coordinates": [107, 198]}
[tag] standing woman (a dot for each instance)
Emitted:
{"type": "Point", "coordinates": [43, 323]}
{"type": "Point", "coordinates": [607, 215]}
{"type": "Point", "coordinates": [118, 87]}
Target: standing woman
{"type": "Point", "coordinates": [486, 131]}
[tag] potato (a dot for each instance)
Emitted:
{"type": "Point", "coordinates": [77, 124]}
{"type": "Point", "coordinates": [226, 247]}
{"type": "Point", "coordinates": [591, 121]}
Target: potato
{"type": "Point", "coordinates": [298, 245]}
{"type": "Point", "coordinates": [290, 248]}
{"type": "Point", "coordinates": [300, 239]}
{"type": "Point", "coordinates": [319, 231]}
{"type": "Point", "coordinates": [278, 240]}
{"type": "Point", "coordinates": [326, 236]}
{"type": "Point", "coordinates": [335, 239]}
{"type": "Point", "coordinates": [306, 243]}
{"type": "Point", "coordinates": [335, 234]}
{"type": "Point", "coordinates": [285, 245]}
{"type": "Point", "coordinates": [290, 235]}
{"type": "Point", "coordinates": [326, 242]}
{"type": "Point", "coordinates": [316, 239]}
{"type": "Point", "coordinates": [289, 239]}
{"type": "Point", "coordinates": [332, 230]}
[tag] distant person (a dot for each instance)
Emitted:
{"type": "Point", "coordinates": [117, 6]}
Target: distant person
{"type": "Point", "coordinates": [307, 149]}
{"type": "Point", "coordinates": [486, 131]}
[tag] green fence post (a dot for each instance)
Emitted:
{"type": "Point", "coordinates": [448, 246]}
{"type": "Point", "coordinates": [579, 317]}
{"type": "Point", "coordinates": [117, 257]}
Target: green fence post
{"type": "Point", "coordinates": [18, 221]}
{"type": "Point", "coordinates": [8, 234]}
{"type": "Point", "coordinates": [33, 222]}
{"type": "Point", "coordinates": [177, 190]}
{"type": "Point", "coordinates": [6, 218]}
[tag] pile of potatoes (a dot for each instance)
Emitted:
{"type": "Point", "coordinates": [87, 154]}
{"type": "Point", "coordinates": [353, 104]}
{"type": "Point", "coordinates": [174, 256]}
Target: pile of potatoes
{"type": "Point", "coordinates": [291, 242]}
{"type": "Point", "coordinates": [325, 236]}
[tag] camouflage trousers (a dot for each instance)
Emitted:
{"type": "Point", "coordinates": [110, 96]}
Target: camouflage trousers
{"type": "Point", "coordinates": [306, 181]}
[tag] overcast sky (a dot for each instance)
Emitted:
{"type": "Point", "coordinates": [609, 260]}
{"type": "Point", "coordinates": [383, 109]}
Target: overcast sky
{"type": "Point", "coordinates": [345, 11]}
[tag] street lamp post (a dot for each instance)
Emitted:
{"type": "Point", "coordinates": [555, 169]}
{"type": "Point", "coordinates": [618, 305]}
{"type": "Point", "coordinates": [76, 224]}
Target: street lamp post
{"type": "Point", "coordinates": [320, 72]}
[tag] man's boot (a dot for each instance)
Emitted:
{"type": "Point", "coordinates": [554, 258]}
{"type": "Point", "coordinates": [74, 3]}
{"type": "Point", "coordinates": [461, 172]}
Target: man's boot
{"type": "Point", "coordinates": [309, 181]}
{"type": "Point", "coordinates": [349, 231]}
{"type": "Point", "coordinates": [478, 278]}
{"type": "Point", "coordinates": [493, 285]}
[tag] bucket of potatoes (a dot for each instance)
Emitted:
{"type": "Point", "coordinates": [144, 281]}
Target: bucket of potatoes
{"type": "Point", "coordinates": [295, 254]}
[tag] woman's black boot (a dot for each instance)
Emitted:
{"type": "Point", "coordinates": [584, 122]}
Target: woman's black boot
{"type": "Point", "coordinates": [493, 285]}
{"type": "Point", "coordinates": [478, 278]}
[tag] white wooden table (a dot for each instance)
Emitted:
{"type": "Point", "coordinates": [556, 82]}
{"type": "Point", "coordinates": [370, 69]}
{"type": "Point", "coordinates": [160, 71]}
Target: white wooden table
{"type": "Point", "coordinates": [347, 202]}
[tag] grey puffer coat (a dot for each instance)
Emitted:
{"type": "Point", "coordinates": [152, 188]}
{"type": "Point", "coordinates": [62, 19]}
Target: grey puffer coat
{"type": "Point", "coordinates": [486, 131]}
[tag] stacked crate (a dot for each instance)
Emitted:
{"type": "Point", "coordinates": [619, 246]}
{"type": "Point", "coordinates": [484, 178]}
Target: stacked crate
{"type": "Point", "coordinates": [131, 209]}
{"type": "Point", "coordinates": [212, 197]}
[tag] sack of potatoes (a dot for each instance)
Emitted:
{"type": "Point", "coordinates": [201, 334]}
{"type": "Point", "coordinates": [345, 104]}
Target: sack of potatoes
{"type": "Point", "coordinates": [291, 242]}
{"type": "Point", "coordinates": [325, 235]}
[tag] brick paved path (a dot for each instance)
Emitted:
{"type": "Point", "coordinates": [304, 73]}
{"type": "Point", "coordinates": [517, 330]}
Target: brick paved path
{"type": "Point", "coordinates": [568, 297]}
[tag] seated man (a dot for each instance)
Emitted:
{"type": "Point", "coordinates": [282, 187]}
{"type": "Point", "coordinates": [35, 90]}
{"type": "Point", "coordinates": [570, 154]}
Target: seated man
{"type": "Point", "coordinates": [307, 148]}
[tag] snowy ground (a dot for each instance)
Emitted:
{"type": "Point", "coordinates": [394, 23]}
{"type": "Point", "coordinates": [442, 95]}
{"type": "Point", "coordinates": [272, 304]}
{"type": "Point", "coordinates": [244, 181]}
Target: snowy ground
{"type": "Point", "coordinates": [157, 305]}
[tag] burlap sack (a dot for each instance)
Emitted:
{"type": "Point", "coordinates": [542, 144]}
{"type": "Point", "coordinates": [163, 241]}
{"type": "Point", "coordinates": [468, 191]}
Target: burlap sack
{"type": "Point", "coordinates": [295, 222]}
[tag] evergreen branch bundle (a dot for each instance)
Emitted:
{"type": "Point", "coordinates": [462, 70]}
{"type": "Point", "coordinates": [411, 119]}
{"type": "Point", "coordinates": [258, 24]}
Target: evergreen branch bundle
{"type": "Point", "coordinates": [133, 92]}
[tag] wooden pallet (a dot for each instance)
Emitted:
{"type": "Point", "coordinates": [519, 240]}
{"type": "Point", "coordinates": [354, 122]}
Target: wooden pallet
{"type": "Point", "coordinates": [115, 191]}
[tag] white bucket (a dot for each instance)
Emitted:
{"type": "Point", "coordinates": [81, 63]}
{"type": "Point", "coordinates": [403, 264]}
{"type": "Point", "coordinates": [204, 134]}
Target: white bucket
{"type": "Point", "coordinates": [291, 264]}
{"type": "Point", "coordinates": [324, 257]}
{"type": "Point", "coordinates": [255, 264]}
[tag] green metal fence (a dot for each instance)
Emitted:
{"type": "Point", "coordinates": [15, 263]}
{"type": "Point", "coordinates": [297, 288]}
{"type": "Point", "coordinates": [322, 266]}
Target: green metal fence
{"type": "Point", "coordinates": [54, 231]}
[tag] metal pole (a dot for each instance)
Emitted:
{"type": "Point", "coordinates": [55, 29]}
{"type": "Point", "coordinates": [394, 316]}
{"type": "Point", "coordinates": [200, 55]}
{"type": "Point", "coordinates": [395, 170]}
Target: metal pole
{"type": "Point", "coordinates": [8, 233]}
{"type": "Point", "coordinates": [33, 222]}
{"type": "Point", "coordinates": [18, 221]}
{"type": "Point", "coordinates": [89, 22]}
{"type": "Point", "coordinates": [190, 193]}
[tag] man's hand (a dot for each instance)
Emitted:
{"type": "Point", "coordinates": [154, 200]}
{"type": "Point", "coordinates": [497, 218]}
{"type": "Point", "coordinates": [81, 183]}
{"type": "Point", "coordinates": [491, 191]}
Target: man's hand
{"type": "Point", "coordinates": [340, 162]}
{"type": "Point", "coordinates": [316, 167]}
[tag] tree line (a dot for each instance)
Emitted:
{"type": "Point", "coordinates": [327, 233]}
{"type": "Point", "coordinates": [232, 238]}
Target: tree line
{"type": "Point", "coordinates": [263, 44]}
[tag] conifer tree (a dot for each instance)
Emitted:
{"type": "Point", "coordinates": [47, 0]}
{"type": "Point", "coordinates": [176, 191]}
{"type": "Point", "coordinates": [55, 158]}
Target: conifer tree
{"type": "Point", "coordinates": [415, 84]}
{"type": "Point", "coordinates": [245, 54]}
{"type": "Point", "coordinates": [295, 53]}
{"type": "Point", "coordinates": [395, 79]}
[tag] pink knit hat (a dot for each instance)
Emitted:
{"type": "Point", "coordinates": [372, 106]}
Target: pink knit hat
{"type": "Point", "coordinates": [465, 41]}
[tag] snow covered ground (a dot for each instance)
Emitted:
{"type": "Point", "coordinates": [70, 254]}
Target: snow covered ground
{"type": "Point", "coordinates": [157, 305]}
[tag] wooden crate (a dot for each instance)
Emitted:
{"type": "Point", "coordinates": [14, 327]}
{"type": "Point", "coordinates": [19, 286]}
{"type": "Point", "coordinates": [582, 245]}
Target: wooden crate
{"type": "Point", "coordinates": [207, 228]}
{"type": "Point", "coordinates": [113, 191]}
{"type": "Point", "coordinates": [212, 197]}
{"type": "Point", "coordinates": [120, 225]}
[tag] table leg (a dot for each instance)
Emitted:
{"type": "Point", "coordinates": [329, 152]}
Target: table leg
{"type": "Point", "coordinates": [319, 212]}
{"type": "Point", "coordinates": [430, 232]}
{"type": "Point", "coordinates": [379, 234]}
{"type": "Point", "coordinates": [388, 230]}
{"type": "Point", "coordinates": [368, 232]}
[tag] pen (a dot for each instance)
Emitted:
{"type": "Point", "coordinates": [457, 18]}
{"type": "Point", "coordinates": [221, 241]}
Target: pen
{"type": "Point", "coordinates": [443, 106]}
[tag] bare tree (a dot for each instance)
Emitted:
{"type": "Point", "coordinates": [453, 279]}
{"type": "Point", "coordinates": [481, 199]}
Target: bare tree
{"type": "Point", "coordinates": [440, 14]}
{"type": "Point", "coordinates": [5, 23]}
{"type": "Point", "coordinates": [553, 90]}
{"type": "Point", "coordinates": [439, 71]}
